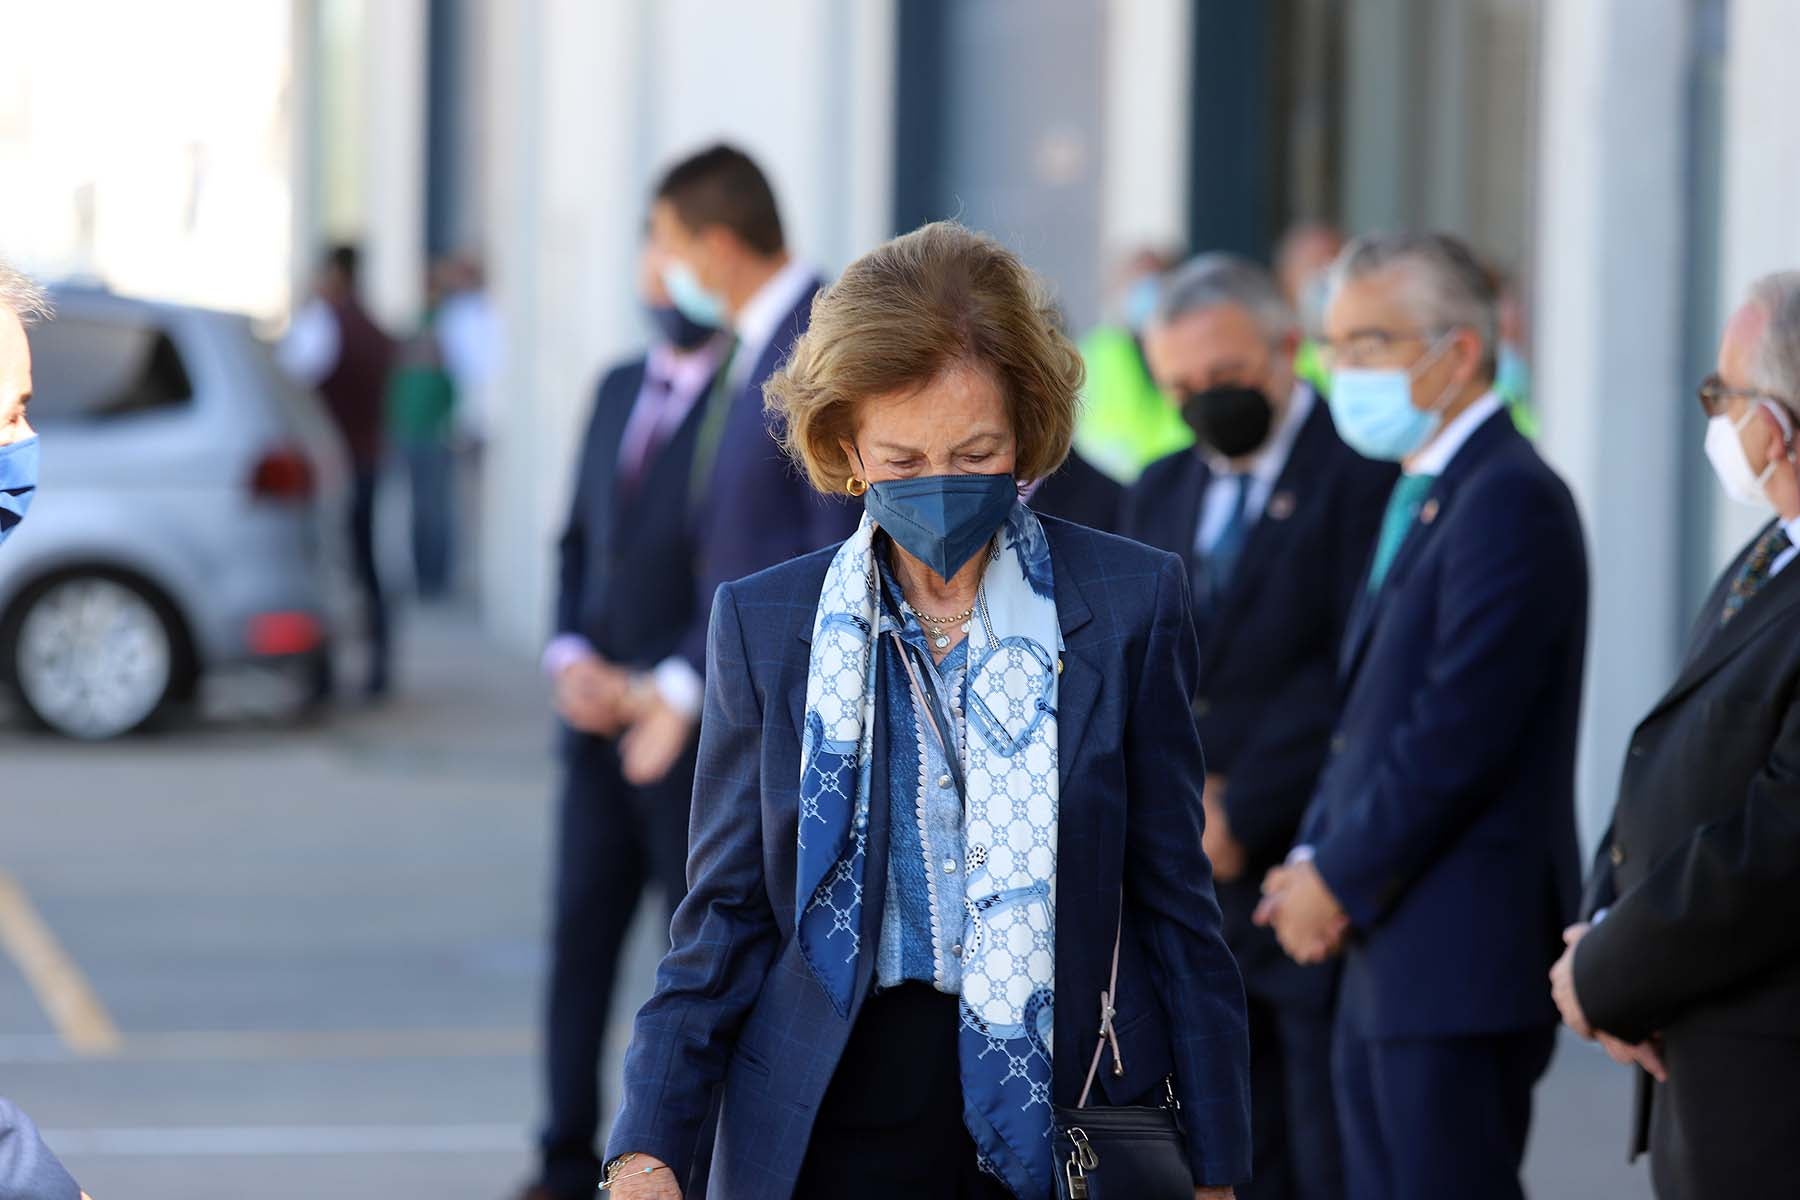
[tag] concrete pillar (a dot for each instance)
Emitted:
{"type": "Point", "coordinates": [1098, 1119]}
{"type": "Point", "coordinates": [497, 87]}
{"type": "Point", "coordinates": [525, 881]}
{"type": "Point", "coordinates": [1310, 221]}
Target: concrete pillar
{"type": "Point", "coordinates": [587, 103]}
{"type": "Point", "coordinates": [393, 159]}
{"type": "Point", "coordinates": [305, 159]}
{"type": "Point", "coordinates": [1608, 304]}
{"type": "Point", "coordinates": [1144, 141]}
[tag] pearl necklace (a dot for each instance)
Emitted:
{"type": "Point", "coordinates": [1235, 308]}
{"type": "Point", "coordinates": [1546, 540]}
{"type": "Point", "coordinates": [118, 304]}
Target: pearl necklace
{"type": "Point", "coordinates": [938, 626]}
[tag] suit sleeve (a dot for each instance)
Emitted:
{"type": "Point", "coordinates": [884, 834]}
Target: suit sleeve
{"type": "Point", "coordinates": [1497, 648]}
{"type": "Point", "coordinates": [28, 1171]}
{"type": "Point", "coordinates": [1268, 793]}
{"type": "Point", "coordinates": [1170, 884]}
{"type": "Point", "coordinates": [1721, 909]}
{"type": "Point", "coordinates": [1601, 890]}
{"type": "Point", "coordinates": [572, 545]}
{"type": "Point", "coordinates": [723, 937]}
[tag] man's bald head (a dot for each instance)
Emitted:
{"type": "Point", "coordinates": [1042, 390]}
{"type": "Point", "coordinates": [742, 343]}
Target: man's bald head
{"type": "Point", "coordinates": [22, 302]}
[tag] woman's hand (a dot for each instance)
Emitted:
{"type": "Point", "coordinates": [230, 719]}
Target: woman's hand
{"type": "Point", "coordinates": [1223, 1193]}
{"type": "Point", "coordinates": [634, 1184]}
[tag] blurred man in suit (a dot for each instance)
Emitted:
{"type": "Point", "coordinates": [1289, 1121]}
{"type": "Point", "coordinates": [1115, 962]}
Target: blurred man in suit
{"type": "Point", "coordinates": [1080, 492]}
{"type": "Point", "coordinates": [1687, 962]}
{"type": "Point", "coordinates": [1275, 518]}
{"type": "Point", "coordinates": [626, 601]}
{"type": "Point", "coordinates": [715, 225]}
{"type": "Point", "coordinates": [1439, 850]}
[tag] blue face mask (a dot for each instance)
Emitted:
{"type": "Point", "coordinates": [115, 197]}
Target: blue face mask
{"type": "Point", "coordinates": [942, 520]}
{"type": "Point", "coordinates": [1139, 304]}
{"type": "Point", "coordinates": [1373, 410]}
{"type": "Point", "coordinates": [688, 295]}
{"type": "Point", "coordinates": [18, 482]}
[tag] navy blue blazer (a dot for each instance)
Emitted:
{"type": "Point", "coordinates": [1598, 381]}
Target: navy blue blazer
{"type": "Point", "coordinates": [1079, 491]}
{"type": "Point", "coordinates": [757, 509]}
{"type": "Point", "coordinates": [626, 560]}
{"type": "Point", "coordinates": [1445, 821]}
{"type": "Point", "coordinates": [736, 1004]}
{"type": "Point", "coordinates": [1267, 697]}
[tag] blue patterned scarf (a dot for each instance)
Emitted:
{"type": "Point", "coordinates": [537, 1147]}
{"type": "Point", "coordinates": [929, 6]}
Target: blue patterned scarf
{"type": "Point", "coordinates": [1009, 766]}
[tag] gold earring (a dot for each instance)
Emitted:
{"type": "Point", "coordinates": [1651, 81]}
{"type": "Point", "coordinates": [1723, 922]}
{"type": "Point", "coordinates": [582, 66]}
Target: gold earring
{"type": "Point", "coordinates": [855, 486]}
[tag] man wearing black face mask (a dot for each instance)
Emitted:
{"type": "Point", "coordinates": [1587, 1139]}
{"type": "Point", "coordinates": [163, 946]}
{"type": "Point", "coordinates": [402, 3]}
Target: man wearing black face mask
{"type": "Point", "coordinates": [625, 601]}
{"type": "Point", "coordinates": [1274, 517]}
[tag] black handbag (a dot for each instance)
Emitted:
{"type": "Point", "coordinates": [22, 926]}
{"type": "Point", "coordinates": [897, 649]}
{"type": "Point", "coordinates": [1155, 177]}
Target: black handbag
{"type": "Point", "coordinates": [1127, 1152]}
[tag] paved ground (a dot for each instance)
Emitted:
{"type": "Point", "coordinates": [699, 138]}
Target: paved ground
{"type": "Point", "coordinates": [312, 956]}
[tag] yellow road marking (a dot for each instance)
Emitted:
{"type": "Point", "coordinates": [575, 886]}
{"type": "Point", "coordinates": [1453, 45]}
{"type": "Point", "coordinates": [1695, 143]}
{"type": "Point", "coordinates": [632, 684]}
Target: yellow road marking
{"type": "Point", "coordinates": [73, 1008]}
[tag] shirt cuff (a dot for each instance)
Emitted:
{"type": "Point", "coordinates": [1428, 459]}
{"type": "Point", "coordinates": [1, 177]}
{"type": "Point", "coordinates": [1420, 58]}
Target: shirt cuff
{"type": "Point", "coordinates": [564, 651]}
{"type": "Point", "coordinates": [1298, 855]}
{"type": "Point", "coordinates": [1599, 916]}
{"type": "Point", "coordinates": [679, 685]}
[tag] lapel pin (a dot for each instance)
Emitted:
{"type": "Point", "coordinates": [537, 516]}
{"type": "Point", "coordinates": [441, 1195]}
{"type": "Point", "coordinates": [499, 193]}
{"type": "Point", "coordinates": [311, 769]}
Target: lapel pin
{"type": "Point", "coordinates": [1059, 666]}
{"type": "Point", "coordinates": [1429, 513]}
{"type": "Point", "coordinates": [1281, 505]}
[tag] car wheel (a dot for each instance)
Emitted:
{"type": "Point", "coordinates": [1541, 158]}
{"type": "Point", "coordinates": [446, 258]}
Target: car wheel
{"type": "Point", "coordinates": [94, 656]}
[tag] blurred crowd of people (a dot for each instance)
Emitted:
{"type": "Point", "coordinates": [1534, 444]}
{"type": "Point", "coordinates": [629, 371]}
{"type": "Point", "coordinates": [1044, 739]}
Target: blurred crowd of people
{"type": "Point", "coordinates": [1390, 591]}
{"type": "Point", "coordinates": [411, 408]}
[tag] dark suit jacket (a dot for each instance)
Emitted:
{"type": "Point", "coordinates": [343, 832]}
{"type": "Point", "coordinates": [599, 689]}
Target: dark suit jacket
{"type": "Point", "coordinates": [735, 1002]}
{"type": "Point", "coordinates": [1266, 698]}
{"type": "Point", "coordinates": [1080, 492]}
{"type": "Point", "coordinates": [626, 579]}
{"type": "Point", "coordinates": [1445, 820]}
{"type": "Point", "coordinates": [1700, 871]}
{"type": "Point", "coordinates": [757, 508]}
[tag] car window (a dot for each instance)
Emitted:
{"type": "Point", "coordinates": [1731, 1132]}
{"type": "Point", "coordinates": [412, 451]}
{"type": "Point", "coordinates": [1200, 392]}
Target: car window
{"type": "Point", "coordinates": [85, 369]}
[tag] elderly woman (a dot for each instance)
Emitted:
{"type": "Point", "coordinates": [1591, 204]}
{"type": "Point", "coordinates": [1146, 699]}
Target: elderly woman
{"type": "Point", "coordinates": [948, 794]}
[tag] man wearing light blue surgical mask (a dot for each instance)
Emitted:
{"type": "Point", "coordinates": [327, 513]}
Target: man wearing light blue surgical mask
{"type": "Point", "coordinates": [20, 302]}
{"type": "Point", "coordinates": [1438, 855]}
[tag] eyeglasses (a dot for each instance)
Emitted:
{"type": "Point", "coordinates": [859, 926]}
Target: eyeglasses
{"type": "Point", "coordinates": [1371, 346]}
{"type": "Point", "coordinates": [1716, 395]}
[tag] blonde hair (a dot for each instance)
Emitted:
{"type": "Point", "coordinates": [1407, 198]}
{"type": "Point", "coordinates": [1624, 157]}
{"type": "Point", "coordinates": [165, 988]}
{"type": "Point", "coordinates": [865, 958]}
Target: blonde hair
{"type": "Point", "coordinates": [900, 316]}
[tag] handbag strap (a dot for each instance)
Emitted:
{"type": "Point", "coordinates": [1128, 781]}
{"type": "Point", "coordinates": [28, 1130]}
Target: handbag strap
{"type": "Point", "coordinates": [1108, 1036]}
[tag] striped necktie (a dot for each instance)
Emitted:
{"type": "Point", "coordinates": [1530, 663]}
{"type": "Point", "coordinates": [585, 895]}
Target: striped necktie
{"type": "Point", "coordinates": [1755, 572]}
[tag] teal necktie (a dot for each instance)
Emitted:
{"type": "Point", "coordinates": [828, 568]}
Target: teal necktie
{"type": "Point", "coordinates": [1402, 510]}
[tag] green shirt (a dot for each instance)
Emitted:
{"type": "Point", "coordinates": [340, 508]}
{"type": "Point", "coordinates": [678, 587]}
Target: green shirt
{"type": "Point", "coordinates": [1127, 422]}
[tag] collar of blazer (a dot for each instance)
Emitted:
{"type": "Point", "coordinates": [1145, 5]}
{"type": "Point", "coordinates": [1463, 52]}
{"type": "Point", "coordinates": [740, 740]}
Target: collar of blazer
{"type": "Point", "coordinates": [1078, 682]}
{"type": "Point", "coordinates": [1494, 433]}
{"type": "Point", "coordinates": [1298, 477]}
{"type": "Point", "coordinates": [1714, 646]}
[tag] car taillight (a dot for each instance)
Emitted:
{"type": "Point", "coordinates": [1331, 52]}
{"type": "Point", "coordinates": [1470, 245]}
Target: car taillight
{"type": "Point", "coordinates": [283, 474]}
{"type": "Point", "coordinates": [283, 633]}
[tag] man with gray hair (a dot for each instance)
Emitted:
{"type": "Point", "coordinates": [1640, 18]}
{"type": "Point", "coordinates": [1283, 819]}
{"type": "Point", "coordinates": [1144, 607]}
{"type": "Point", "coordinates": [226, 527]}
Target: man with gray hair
{"type": "Point", "coordinates": [1274, 517]}
{"type": "Point", "coordinates": [28, 1171]}
{"type": "Point", "coordinates": [1438, 855]}
{"type": "Point", "coordinates": [21, 301]}
{"type": "Point", "coordinates": [1687, 960]}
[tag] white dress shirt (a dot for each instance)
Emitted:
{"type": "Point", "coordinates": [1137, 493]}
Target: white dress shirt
{"type": "Point", "coordinates": [756, 324]}
{"type": "Point", "coordinates": [1787, 556]}
{"type": "Point", "coordinates": [1265, 470]}
{"type": "Point", "coordinates": [1440, 450]}
{"type": "Point", "coordinates": [312, 345]}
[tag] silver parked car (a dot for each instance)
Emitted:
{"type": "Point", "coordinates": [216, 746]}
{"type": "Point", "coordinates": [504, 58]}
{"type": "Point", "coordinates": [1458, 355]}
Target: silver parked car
{"type": "Point", "coordinates": [187, 500]}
